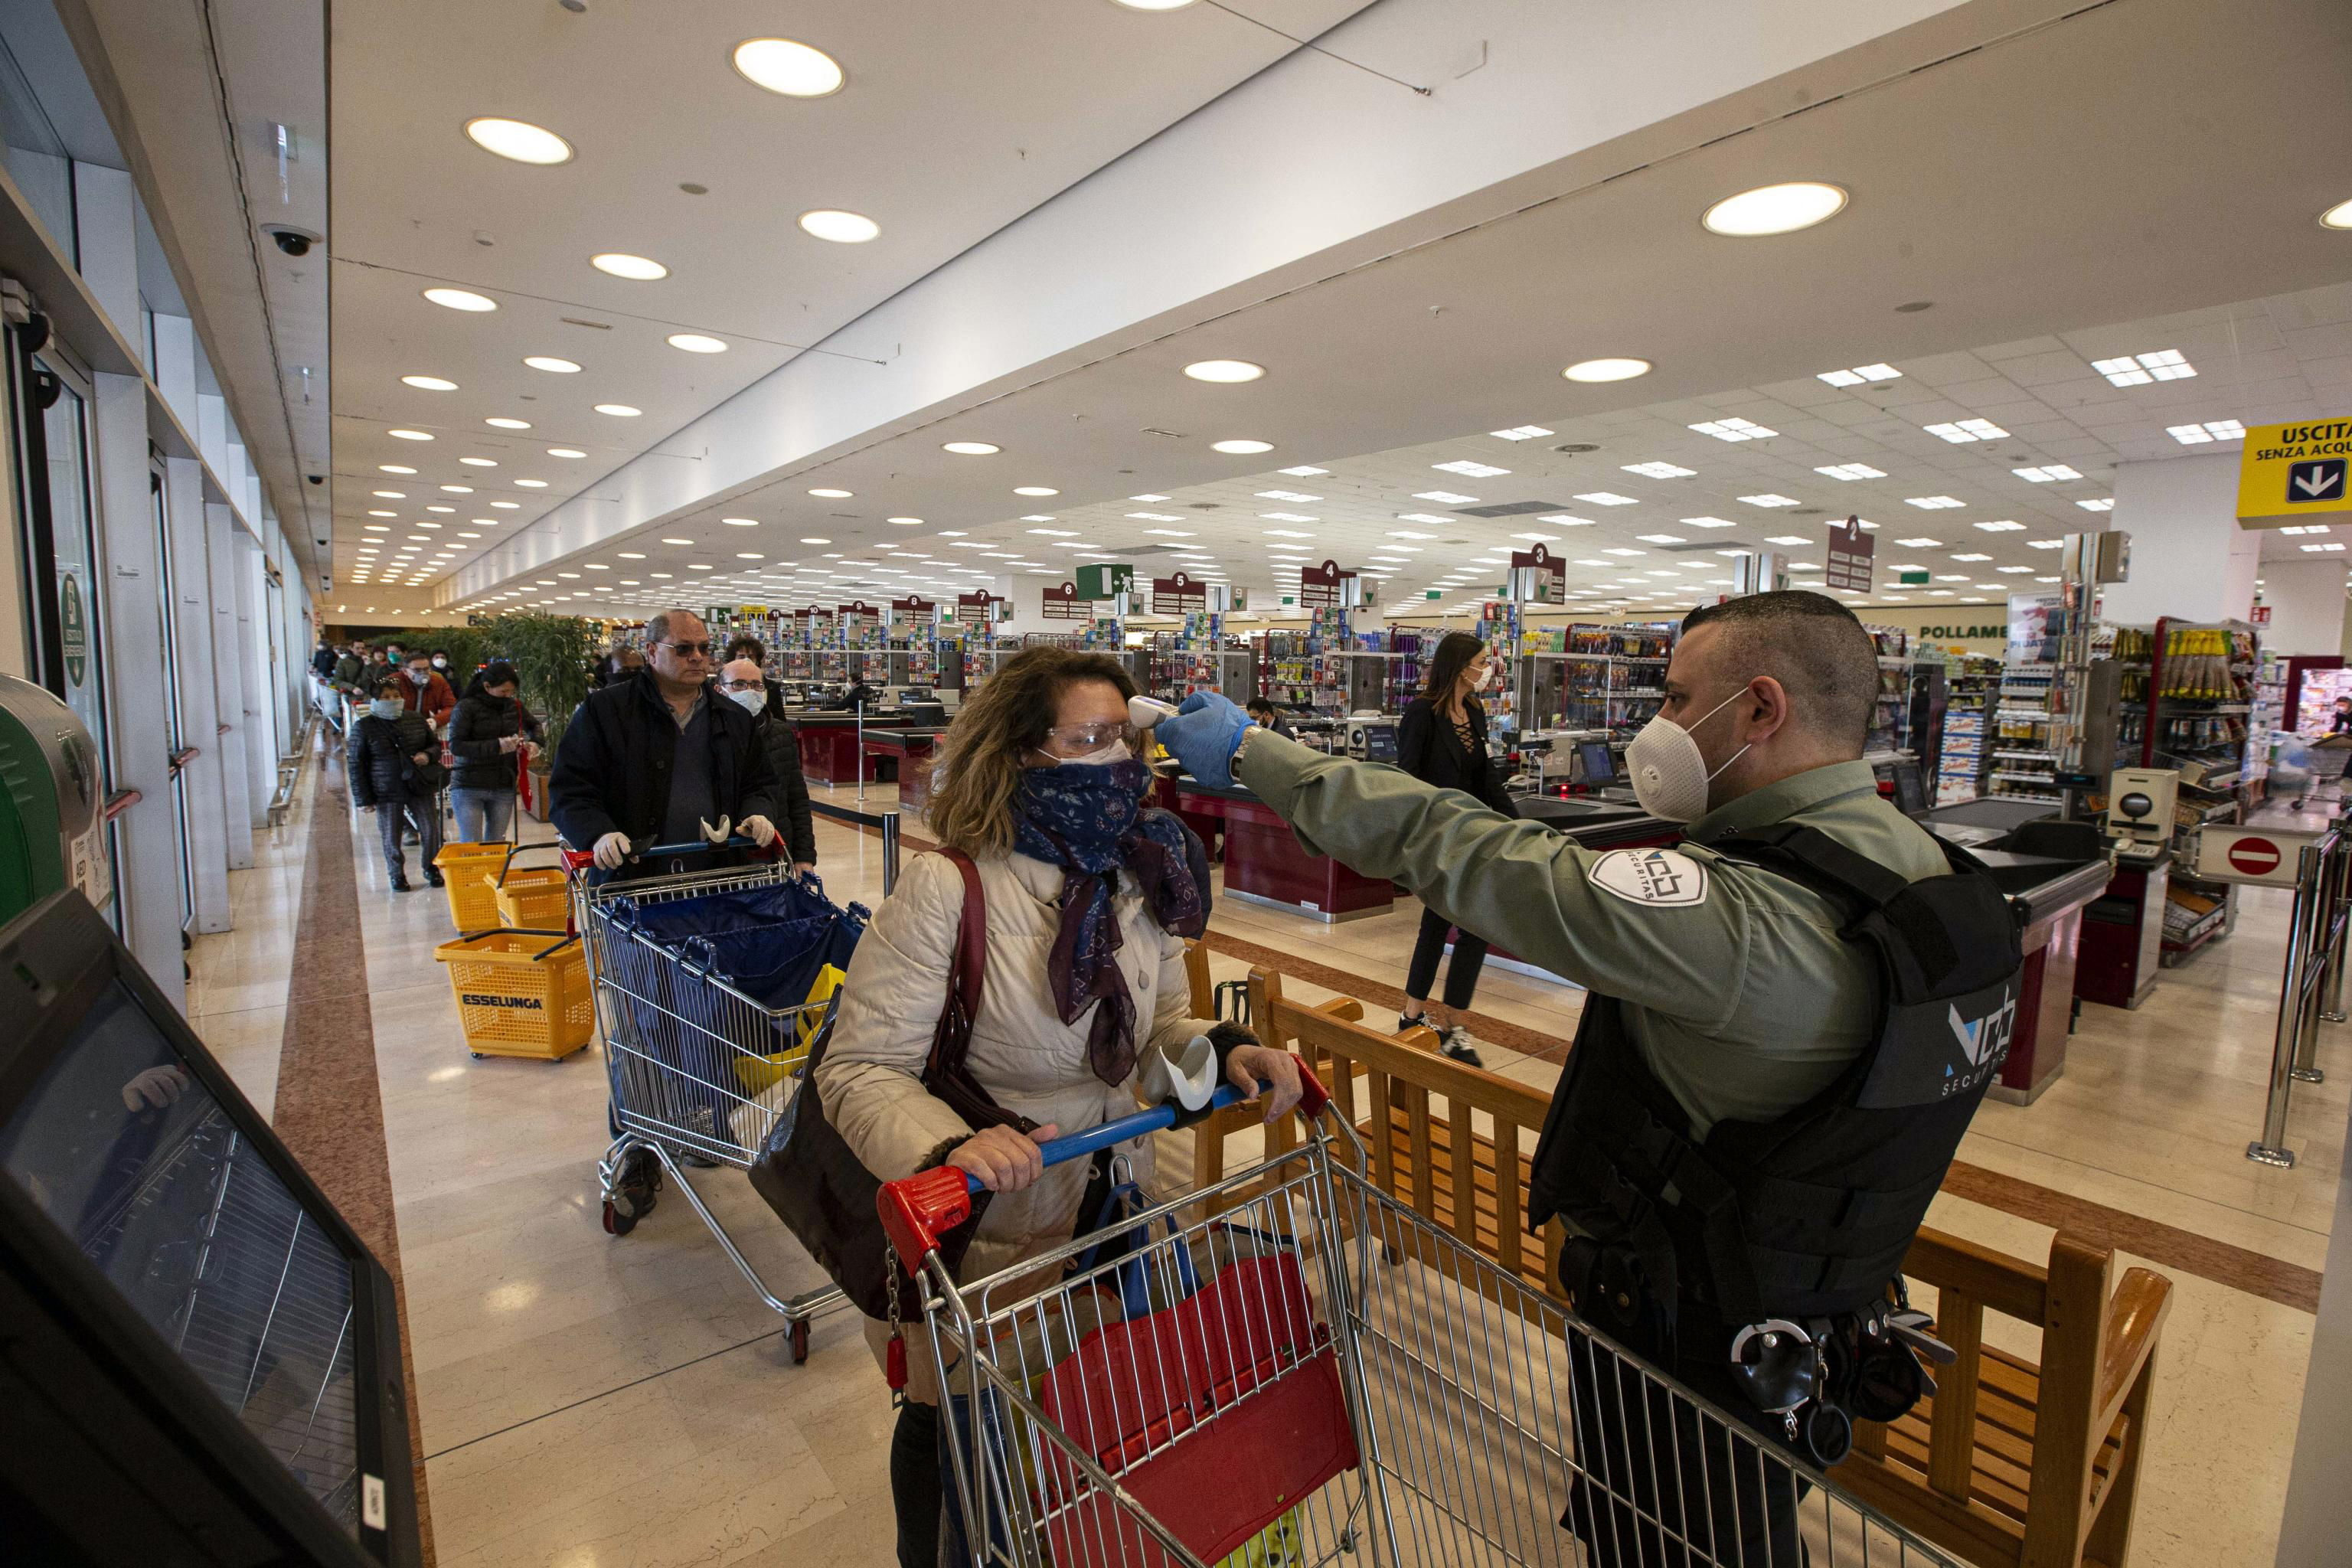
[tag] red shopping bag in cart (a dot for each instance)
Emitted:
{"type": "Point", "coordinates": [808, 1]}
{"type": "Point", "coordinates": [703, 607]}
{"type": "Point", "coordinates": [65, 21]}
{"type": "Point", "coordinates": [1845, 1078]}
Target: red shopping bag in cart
{"type": "Point", "coordinates": [1218, 1416]}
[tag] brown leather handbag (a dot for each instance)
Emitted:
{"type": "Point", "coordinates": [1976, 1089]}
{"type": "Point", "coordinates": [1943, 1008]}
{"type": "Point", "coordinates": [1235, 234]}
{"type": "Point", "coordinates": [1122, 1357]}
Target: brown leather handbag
{"type": "Point", "coordinates": [821, 1190]}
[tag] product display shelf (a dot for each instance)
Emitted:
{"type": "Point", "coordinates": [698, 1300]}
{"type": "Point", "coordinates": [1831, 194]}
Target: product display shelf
{"type": "Point", "coordinates": [1608, 677]}
{"type": "Point", "coordinates": [1968, 712]}
{"type": "Point", "coordinates": [2264, 722]}
{"type": "Point", "coordinates": [2201, 697]}
{"type": "Point", "coordinates": [2022, 758]}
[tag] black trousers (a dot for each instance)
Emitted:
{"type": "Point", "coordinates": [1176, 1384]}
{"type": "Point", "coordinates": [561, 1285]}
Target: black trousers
{"type": "Point", "coordinates": [916, 1483]}
{"type": "Point", "coordinates": [1461, 978]}
{"type": "Point", "coordinates": [1659, 1484]}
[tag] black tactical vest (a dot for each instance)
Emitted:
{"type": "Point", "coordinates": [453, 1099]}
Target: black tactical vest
{"type": "Point", "coordinates": [1809, 1215]}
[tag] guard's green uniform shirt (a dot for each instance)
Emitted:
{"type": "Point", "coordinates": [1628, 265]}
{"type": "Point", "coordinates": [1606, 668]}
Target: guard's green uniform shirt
{"type": "Point", "coordinates": [1743, 999]}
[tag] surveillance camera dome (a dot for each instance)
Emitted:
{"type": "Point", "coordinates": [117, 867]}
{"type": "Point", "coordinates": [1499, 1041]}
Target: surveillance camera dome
{"type": "Point", "coordinates": [292, 240]}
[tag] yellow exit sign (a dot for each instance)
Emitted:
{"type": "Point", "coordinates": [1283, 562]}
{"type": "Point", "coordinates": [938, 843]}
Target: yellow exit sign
{"type": "Point", "coordinates": [2291, 471]}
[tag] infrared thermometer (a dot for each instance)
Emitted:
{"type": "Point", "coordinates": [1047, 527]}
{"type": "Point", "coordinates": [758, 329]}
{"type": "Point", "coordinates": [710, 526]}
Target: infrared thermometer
{"type": "Point", "coordinates": [1144, 712]}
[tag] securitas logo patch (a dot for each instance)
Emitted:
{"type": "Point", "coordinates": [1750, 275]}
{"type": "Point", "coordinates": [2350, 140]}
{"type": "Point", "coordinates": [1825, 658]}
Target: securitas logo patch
{"type": "Point", "coordinates": [1660, 878]}
{"type": "Point", "coordinates": [1984, 1042]}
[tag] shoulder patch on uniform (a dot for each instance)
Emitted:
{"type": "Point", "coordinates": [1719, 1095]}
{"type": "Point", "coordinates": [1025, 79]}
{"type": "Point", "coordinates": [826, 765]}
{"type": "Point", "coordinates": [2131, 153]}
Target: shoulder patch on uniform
{"type": "Point", "coordinates": [1660, 878]}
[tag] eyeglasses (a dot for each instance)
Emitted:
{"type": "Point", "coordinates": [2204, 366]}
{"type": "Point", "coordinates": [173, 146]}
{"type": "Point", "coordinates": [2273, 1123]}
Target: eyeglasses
{"type": "Point", "coordinates": [1090, 737]}
{"type": "Point", "coordinates": [754, 684]}
{"type": "Point", "coordinates": [689, 649]}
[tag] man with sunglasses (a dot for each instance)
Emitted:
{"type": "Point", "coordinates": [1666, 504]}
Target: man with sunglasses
{"type": "Point", "coordinates": [658, 757]}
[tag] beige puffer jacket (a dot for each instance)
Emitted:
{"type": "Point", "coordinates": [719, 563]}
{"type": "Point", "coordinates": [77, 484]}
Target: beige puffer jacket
{"type": "Point", "coordinates": [1022, 1052]}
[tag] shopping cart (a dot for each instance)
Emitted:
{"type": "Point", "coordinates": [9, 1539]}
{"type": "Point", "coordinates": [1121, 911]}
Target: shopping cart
{"type": "Point", "coordinates": [701, 1056]}
{"type": "Point", "coordinates": [1316, 1370]}
{"type": "Point", "coordinates": [2326, 759]}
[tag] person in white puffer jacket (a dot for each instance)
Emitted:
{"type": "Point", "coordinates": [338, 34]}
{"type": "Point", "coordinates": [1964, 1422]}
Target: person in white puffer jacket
{"type": "Point", "coordinates": [1090, 897]}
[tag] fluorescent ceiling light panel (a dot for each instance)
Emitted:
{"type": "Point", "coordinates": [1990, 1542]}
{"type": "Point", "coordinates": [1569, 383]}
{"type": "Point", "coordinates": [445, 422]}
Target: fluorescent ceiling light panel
{"type": "Point", "coordinates": [2317, 549]}
{"type": "Point", "coordinates": [1288, 516]}
{"type": "Point", "coordinates": [1261, 495]}
{"type": "Point", "coordinates": [1521, 433]}
{"type": "Point", "coordinates": [1303, 471]}
{"type": "Point", "coordinates": [2098, 503]}
{"type": "Point", "coordinates": [1606, 497]}
{"type": "Point", "coordinates": [1770, 500]}
{"type": "Point", "coordinates": [1407, 534]}
{"type": "Point", "coordinates": [2305, 528]}
{"type": "Point", "coordinates": [1734, 430]}
{"type": "Point", "coordinates": [2004, 526]}
{"type": "Point", "coordinates": [1658, 470]}
{"type": "Point", "coordinates": [1851, 471]}
{"type": "Point", "coordinates": [2138, 370]}
{"type": "Point", "coordinates": [1933, 503]}
{"type": "Point", "coordinates": [1859, 374]}
{"type": "Point", "coordinates": [1565, 520]}
{"type": "Point", "coordinates": [2046, 474]}
{"type": "Point", "coordinates": [1242, 447]}
{"type": "Point", "coordinates": [1620, 551]}
{"type": "Point", "coordinates": [1971, 557]}
{"type": "Point", "coordinates": [1662, 539]}
{"type": "Point", "coordinates": [1470, 470]}
{"type": "Point", "coordinates": [1446, 498]}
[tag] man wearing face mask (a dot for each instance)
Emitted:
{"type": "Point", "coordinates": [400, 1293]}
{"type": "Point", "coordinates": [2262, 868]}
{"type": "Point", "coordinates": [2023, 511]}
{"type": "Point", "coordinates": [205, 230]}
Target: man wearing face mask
{"type": "Point", "coordinates": [658, 757]}
{"type": "Point", "coordinates": [1792, 1016]}
{"type": "Point", "coordinates": [741, 682]}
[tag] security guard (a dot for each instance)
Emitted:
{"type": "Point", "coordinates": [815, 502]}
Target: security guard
{"type": "Point", "coordinates": [1793, 1013]}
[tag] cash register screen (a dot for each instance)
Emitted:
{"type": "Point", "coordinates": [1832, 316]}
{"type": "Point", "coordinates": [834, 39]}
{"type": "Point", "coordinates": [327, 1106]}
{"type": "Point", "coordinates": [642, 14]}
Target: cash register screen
{"type": "Point", "coordinates": [120, 1145]}
{"type": "Point", "coordinates": [1380, 743]}
{"type": "Point", "coordinates": [1599, 768]}
{"type": "Point", "coordinates": [1910, 791]}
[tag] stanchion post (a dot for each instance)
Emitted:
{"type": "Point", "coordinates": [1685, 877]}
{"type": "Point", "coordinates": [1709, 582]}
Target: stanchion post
{"type": "Point", "coordinates": [2303, 923]}
{"type": "Point", "coordinates": [2340, 924]}
{"type": "Point", "coordinates": [861, 748]}
{"type": "Point", "coordinates": [890, 852]}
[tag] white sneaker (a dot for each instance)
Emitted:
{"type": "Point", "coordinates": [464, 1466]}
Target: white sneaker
{"type": "Point", "coordinates": [1461, 1045]}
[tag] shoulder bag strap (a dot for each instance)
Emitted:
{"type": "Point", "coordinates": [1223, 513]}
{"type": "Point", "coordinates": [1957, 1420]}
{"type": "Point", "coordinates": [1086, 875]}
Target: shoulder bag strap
{"type": "Point", "coordinates": [946, 1075]}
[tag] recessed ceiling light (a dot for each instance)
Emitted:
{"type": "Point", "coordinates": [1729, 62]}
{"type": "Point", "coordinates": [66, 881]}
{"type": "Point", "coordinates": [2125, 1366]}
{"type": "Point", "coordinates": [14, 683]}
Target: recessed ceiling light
{"type": "Point", "coordinates": [409, 434]}
{"type": "Point", "coordinates": [1594, 370]}
{"type": "Point", "coordinates": [2337, 216]}
{"type": "Point", "coordinates": [502, 506]}
{"type": "Point", "coordinates": [1224, 370]}
{"type": "Point", "coordinates": [698, 343]}
{"type": "Point", "coordinates": [394, 468]}
{"type": "Point", "coordinates": [1851, 471]}
{"type": "Point", "coordinates": [1521, 433]}
{"type": "Point", "coordinates": [749, 555]}
{"type": "Point", "coordinates": [905, 522]}
{"type": "Point", "coordinates": [1658, 470]}
{"type": "Point", "coordinates": [565, 452]}
{"type": "Point", "coordinates": [841, 228]}
{"type": "Point", "coordinates": [1770, 500]}
{"type": "Point", "coordinates": [2004, 526]}
{"type": "Point", "coordinates": [383, 514]}
{"type": "Point", "coordinates": [1734, 430]}
{"type": "Point", "coordinates": [618, 410]}
{"type": "Point", "coordinates": [620, 264]}
{"type": "Point", "coordinates": [1966, 430]}
{"type": "Point", "coordinates": [429, 382]}
{"type": "Point", "coordinates": [390, 495]}
{"type": "Point", "coordinates": [2138, 370]}
{"type": "Point", "coordinates": [794, 70]}
{"type": "Point", "coordinates": [1775, 209]}
{"type": "Point", "coordinates": [970, 448]}
{"type": "Point", "coordinates": [1606, 497]}
{"type": "Point", "coordinates": [519, 140]}
{"type": "Point", "coordinates": [461, 299]}
{"type": "Point", "coordinates": [670, 541]}
{"type": "Point", "coordinates": [1034, 490]}
{"type": "Point", "coordinates": [1243, 447]}
{"type": "Point", "coordinates": [1933, 503]}
{"type": "Point", "coordinates": [813, 538]}
{"type": "Point", "coordinates": [630, 555]}
{"type": "Point", "coordinates": [440, 509]}
{"type": "Point", "coordinates": [480, 462]}
{"type": "Point", "coordinates": [1859, 374]}
{"type": "Point", "coordinates": [823, 493]}
{"type": "Point", "coordinates": [551, 364]}
{"type": "Point", "coordinates": [501, 423]}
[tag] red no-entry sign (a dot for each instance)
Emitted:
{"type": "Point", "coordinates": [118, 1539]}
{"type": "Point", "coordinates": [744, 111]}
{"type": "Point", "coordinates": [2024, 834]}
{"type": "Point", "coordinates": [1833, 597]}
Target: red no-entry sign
{"type": "Point", "coordinates": [2255, 857]}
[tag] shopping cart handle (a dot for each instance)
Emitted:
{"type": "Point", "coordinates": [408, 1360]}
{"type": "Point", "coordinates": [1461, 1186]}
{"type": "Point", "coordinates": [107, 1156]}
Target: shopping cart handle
{"type": "Point", "coordinates": [694, 847]}
{"type": "Point", "coordinates": [917, 1210]}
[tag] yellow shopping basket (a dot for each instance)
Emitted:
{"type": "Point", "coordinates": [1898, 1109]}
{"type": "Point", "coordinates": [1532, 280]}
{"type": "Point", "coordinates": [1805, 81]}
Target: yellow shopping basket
{"type": "Point", "coordinates": [530, 900]}
{"type": "Point", "coordinates": [521, 992]}
{"type": "Point", "coordinates": [463, 866]}
{"type": "Point", "coordinates": [757, 1073]}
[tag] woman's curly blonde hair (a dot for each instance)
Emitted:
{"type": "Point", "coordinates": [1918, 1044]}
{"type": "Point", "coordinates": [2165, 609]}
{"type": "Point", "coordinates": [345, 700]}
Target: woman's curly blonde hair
{"type": "Point", "coordinates": [985, 749]}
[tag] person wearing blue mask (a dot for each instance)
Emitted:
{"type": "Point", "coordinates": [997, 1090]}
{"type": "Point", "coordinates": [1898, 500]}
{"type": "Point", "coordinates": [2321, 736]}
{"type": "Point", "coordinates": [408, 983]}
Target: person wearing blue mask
{"type": "Point", "coordinates": [1089, 896]}
{"type": "Point", "coordinates": [392, 761]}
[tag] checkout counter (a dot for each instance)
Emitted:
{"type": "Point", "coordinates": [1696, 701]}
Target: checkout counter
{"type": "Point", "coordinates": [837, 747]}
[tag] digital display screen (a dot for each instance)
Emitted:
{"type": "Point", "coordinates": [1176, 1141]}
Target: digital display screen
{"type": "Point", "coordinates": [1599, 767]}
{"type": "Point", "coordinates": [122, 1148]}
{"type": "Point", "coordinates": [1910, 792]}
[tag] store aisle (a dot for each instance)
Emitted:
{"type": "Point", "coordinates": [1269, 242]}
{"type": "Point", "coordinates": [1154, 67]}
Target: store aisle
{"type": "Point", "coordinates": [584, 1399]}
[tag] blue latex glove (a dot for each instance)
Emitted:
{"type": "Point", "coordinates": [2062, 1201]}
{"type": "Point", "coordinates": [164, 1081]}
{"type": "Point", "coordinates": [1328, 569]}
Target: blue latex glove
{"type": "Point", "coordinates": [1204, 735]}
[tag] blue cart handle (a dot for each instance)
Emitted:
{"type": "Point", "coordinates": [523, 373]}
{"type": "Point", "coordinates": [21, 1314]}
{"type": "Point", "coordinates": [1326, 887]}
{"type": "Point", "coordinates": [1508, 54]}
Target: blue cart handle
{"type": "Point", "coordinates": [914, 1211]}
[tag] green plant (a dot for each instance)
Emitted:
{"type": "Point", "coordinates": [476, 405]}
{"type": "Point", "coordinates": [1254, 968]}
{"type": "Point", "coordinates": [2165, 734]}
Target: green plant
{"type": "Point", "coordinates": [552, 654]}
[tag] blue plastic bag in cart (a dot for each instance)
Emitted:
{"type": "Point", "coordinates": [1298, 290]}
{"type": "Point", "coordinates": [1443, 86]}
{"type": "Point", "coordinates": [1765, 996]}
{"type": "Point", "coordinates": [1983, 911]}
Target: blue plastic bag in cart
{"type": "Point", "coordinates": [692, 1051]}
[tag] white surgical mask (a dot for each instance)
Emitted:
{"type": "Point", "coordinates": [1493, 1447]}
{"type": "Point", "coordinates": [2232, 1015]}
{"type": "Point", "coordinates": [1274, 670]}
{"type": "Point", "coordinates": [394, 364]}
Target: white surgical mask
{"type": "Point", "coordinates": [440, 664]}
{"type": "Point", "coordinates": [1103, 756]}
{"type": "Point", "coordinates": [1670, 776]}
{"type": "Point", "coordinates": [384, 708]}
{"type": "Point", "coordinates": [750, 701]}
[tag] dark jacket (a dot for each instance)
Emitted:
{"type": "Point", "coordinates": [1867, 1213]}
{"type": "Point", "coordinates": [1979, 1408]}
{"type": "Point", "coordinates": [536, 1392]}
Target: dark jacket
{"type": "Point", "coordinates": [1428, 749]}
{"type": "Point", "coordinates": [322, 663]}
{"type": "Point", "coordinates": [380, 760]}
{"type": "Point", "coordinates": [612, 769]}
{"type": "Point", "coordinates": [783, 742]}
{"type": "Point", "coordinates": [348, 669]}
{"type": "Point", "coordinates": [480, 722]}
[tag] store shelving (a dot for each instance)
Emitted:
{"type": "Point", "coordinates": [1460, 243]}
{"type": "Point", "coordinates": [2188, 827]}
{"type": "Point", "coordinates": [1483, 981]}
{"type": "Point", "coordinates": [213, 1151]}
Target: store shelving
{"type": "Point", "coordinates": [2199, 721]}
{"type": "Point", "coordinates": [1973, 682]}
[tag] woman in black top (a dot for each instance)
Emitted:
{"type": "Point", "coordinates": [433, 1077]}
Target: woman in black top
{"type": "Point", "coordinates": [1443, 742]}
{"type": "Point", "coordinates": [488, 726]}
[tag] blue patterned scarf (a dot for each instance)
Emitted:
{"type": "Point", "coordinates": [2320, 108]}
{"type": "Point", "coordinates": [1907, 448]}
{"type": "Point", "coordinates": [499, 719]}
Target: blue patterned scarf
{"type": "Point", "coordinates": [1089, 819]}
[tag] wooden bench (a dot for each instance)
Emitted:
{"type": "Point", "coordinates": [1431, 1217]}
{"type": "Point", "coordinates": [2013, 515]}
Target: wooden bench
{"type": "Point", "coordinates": [2008, 1463]}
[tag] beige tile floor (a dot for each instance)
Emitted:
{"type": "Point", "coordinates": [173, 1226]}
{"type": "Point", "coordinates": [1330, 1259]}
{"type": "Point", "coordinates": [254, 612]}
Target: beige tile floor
{"type": "Point", "coordinates": [589, 1402]}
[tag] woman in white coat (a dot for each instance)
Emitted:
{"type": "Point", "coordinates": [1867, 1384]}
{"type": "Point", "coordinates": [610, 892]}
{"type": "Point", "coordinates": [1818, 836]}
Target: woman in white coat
{"type": "Point", "coordinates": [1090, 897]}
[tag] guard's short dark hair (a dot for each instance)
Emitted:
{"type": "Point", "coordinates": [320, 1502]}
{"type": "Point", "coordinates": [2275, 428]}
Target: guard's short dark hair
{"type": "Point", "coordinates": [1814, 645]}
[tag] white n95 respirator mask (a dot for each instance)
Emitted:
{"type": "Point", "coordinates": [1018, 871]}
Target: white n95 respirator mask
{"type": "Point", "coordinates": [1670, 776]}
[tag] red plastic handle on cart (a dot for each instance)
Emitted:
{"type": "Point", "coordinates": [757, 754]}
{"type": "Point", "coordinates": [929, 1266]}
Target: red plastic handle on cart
{"type": "Point", "coordinates": [916, 1210]}
{"type": "Point", "coordinates": [1312, 1096]}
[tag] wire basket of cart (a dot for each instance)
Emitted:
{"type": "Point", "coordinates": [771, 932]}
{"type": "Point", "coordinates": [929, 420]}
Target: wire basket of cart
{"type": "Point", "coordinates": [1286, 1367]}
{"type": "Point", "coordinates": [712, 985]}
{"type": "Point", "coordinates": [2326, 759]}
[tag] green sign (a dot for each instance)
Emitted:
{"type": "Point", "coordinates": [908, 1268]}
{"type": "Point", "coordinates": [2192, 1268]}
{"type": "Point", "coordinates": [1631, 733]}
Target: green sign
{"type": "Point", "coordinates": [1105, 582]}
{"type": "Point", "coordinates": [1432, 593]}
{"type": "Point", "coordinates": [1911, 579]}
{"type": "Point", "coordinates": [73, 622]}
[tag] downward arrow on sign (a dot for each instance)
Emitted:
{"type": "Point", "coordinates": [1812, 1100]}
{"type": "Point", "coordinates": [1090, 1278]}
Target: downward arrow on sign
{"type": "Point", "coordinates": [2312, 484]}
